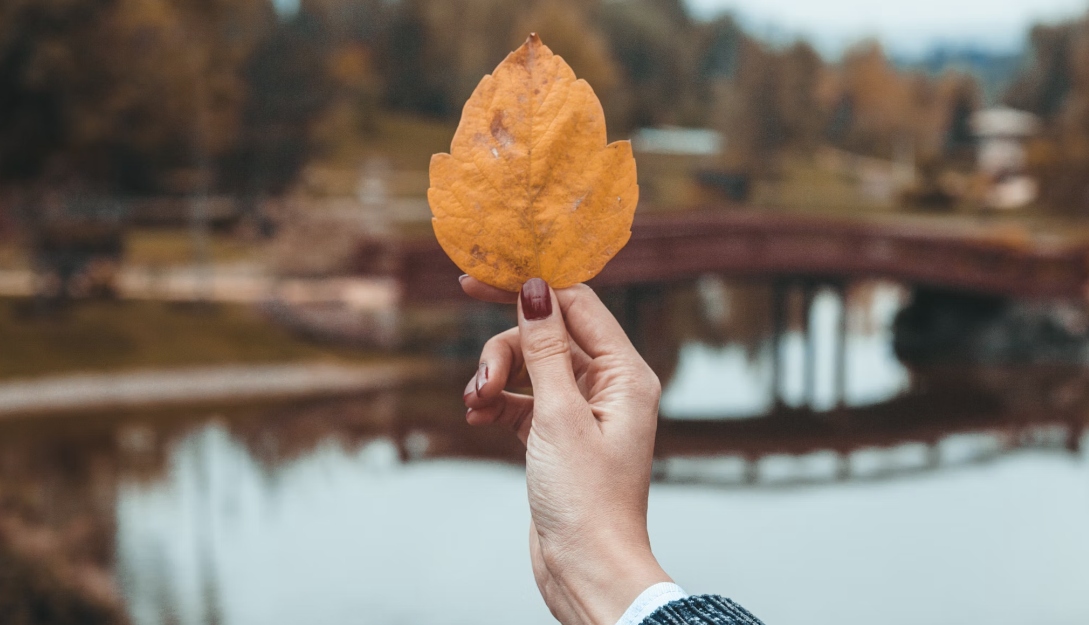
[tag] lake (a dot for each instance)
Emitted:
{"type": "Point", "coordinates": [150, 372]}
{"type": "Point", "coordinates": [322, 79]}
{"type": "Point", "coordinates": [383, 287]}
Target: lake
{"type": "Point", "coordinates": [310, 513]}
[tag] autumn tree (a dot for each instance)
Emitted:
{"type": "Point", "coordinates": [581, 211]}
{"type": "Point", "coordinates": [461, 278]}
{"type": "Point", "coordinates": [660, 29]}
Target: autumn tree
{"type": "Point", "coordinates": [430, 67]}
{"type": "Point", "coordinates": [652, 42]}
{"type": "Point", "coordinates": [1044, 88]}
{"type": "Point", "coordinates": [289, 86]}
{"type": "Point", "coordinates": [154, 96]}
{"type": "Point", "coordinates": [1055, 86]}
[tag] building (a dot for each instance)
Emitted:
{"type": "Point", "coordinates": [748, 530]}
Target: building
{"type": "Point", "coordinates": [1002, 133]}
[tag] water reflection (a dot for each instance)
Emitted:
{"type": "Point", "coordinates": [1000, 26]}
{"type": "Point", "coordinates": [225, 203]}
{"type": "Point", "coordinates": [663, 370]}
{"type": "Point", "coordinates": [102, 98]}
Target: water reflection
{"type": "Point", "coordinates": [341, 535]}
{"type": "Point", "coordinates": [731, 381]}
{"type": "Point", "coordinates": [352, 535]}
{"type": "Point", "coordinates": [310, 513]}
{"type": "Point", "coordinates": [387, 508]}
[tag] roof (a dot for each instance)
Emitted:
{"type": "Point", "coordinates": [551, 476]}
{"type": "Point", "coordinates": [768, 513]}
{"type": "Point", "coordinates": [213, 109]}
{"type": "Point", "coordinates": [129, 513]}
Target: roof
{"type": "Point", "coordinates": [683, 141]}
{"type": "Point", "coordinates": [1003, 121]}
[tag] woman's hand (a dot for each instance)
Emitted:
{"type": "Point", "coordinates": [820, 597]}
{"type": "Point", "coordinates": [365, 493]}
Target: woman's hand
{"type": "Point", "coordinates": [589, 434]}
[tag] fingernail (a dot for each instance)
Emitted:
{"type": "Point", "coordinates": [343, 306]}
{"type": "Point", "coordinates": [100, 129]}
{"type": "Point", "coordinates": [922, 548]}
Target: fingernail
{"type": "Point", "coordinates": [481, 377]}
{"type": "Point", "coordinates": [536, 300]}
{"type": "Point", "coordinates": [462, 277]}
{"type": "Point", "coordinates": [470, 388]}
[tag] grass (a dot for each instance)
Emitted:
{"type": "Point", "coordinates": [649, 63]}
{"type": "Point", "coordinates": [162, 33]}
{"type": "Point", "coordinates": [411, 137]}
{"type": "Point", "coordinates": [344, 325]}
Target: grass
{"type": "Point", "coordinates": [805, 186]}
{"type": "Point", "coordinates": [127, 335]}
{"type": "Point", "coordinates": [408, 142]}
{"type": "Point", "coordinates": [155, 247]}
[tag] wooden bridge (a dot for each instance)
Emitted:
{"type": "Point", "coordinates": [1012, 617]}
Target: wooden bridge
{"type": "Point", "coordinates": [797, 252]}
{"type": "Point", "coordinates": [682, 246]}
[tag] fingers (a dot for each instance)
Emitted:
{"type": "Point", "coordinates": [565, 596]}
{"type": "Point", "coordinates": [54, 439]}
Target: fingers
{"type": "Point", "coordinates": [500, 366]}
{"type": "Point", "coordinates": [592, 325]}
{"type": "Point", "coordinates": [485, 292]}
{"type": "Point", "coordinates": [511, 410]}
{"type": "Point", "coordinates": [546, 348]}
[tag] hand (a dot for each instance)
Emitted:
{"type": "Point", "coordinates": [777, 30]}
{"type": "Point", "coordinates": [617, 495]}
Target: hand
{"type": "Point", "coordinates": [589, 434]}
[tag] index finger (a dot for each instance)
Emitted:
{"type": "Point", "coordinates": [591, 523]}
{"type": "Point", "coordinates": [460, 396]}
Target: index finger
{"type": "Point", "coordinates": [485, 292]}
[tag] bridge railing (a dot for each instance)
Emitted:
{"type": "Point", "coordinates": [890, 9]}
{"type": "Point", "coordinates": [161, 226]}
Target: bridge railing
{"type": "Point", "coordinates": [680, 247]}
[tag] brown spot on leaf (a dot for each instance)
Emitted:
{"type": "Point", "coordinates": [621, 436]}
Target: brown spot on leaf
{"type": "Point", "coordinates": [499, 131]}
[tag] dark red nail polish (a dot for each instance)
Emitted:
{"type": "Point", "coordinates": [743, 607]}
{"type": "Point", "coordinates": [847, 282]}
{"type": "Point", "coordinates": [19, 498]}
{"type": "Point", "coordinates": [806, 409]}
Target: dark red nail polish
{"type": "Point", "coordinates": [481, 377]}
{"type": "Point", "coordinates": [536, 300]}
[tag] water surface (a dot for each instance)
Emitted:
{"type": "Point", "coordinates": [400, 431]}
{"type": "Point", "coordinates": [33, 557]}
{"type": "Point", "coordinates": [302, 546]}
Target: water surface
{"type": "Point", "coordinates": [354, 536]}
{"type": "Point", "coordinates": [388, 509]}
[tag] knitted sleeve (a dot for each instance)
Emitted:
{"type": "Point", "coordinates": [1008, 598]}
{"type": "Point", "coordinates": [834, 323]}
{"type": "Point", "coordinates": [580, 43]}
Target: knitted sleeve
{"type": "Point", "coordinates": [702, 610]}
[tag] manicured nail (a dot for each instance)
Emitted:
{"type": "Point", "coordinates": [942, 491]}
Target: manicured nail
{"type": "Point", "coordinates": [536, 300]}
{"type": "Point", "coordinates": [481, 377]}
{"type": "Point", "coordinates": [461, 278]}
{"type": "Point", "coordinates": [470, 388]}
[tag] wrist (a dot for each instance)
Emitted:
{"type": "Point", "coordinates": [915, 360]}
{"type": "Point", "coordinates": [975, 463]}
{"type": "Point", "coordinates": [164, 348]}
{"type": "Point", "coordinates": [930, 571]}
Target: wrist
{"type": "Point", "coordinates": [604, 585]}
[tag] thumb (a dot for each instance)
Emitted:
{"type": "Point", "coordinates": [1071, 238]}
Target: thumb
{"type": "Point", "coordinates": [545, 344]}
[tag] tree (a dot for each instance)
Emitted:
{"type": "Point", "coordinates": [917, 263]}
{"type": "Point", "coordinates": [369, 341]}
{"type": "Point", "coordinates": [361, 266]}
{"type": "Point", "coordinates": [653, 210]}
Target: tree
{"type": "Point", "coordinates": [1044, 87]}
{"type": "Point", "coordinates": [1055, 86]}
{"type": "Point", "coordinates": [124, 96]}
{"type": "Point", "coordinates": [652, 43]}
{"type": "Point", "coordinates": [288, 88]}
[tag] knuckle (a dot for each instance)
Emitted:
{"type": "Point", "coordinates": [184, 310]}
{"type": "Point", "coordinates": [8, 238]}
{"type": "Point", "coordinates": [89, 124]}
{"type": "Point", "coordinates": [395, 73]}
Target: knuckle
{"type": "Point", "coordinates": [653, 383]}
{"type": "Point", "coordinates": [547, 346]}
{"type": "Point", "coordinates": [499, 348]}
{"type": "Point", "coordinates": [497, 341]}
{"type": "Point", "coordinates": [493, 344]}
{"type": "Point", "coordinates": [645, 385]}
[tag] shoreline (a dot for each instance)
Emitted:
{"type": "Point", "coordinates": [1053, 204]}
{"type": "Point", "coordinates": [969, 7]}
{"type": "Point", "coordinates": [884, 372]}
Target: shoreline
{"type": "Point", "coordinates": [88, 392]}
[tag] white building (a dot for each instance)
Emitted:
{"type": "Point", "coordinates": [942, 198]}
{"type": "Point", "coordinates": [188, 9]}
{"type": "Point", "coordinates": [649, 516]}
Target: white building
{"type": "Point", "coordinates": [678, 141]}
{"type": "Point", "coordinates": [1002, 134]}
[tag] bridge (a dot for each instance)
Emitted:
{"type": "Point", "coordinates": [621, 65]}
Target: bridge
{"type": "Point", "coordinates": [670, 248]}
{"type": "Point", "coordinates": [805, 253]}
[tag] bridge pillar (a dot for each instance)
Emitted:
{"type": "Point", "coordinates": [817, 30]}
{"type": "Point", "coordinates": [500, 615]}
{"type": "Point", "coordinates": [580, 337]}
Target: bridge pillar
{"type": "Point", "coordinates": [933, 454]}
{"type": "Point", "coordinates": [778, 330]}
{"type": "Point", "coordinates": [752, 470]}
{"type": "Point", "coordinates": [809, 292]}
{"type": "Point", "coordinates": [843, 291]}
{"type": "Point", "coordinates": [1074, 432]}
{"type": "Point", "coordinates": [843, 465]}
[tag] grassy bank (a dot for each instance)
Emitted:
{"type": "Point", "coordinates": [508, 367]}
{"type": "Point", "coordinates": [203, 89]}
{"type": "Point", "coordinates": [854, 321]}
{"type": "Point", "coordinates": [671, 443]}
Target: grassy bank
{"type": "Point", "coordinates": [121, 335]}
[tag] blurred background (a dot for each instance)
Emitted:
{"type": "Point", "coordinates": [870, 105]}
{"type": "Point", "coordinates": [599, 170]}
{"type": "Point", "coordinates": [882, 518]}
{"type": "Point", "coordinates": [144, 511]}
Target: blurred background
{"type": "Point", "coordinates": [232, 353]}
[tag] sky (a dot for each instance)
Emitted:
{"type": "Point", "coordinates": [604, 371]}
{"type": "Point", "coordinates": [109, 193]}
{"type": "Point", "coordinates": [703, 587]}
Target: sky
{"type": "Point", "coordinates": [906, 27]}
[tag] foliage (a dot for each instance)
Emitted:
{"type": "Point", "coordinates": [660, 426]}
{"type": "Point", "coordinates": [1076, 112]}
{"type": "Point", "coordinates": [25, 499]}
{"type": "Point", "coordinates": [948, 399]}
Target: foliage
{"type": "Point", "coordinates": [122, 335]}
{"type": "Point", "coordinates": [118, 91]}
{"type": "Point", "coordinates": [229, 96]}
{"type": "Point", "coordinates": [1055, 86]}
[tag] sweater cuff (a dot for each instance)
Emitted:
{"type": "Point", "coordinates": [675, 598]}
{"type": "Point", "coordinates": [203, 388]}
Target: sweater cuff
{"type": "Point", "coordinates": [709, 609]}
{"type": "Point", "coordinates": [650, 601]}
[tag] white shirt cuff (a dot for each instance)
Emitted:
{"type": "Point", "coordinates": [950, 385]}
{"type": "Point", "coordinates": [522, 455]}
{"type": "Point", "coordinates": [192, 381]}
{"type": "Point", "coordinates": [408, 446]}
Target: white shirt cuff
{"type": "Point", "coordinates": [649, 601]}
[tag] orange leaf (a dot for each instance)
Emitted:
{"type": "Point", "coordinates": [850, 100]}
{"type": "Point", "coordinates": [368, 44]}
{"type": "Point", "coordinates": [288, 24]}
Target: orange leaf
{"type": "Point", "coordinates": [529, 189]}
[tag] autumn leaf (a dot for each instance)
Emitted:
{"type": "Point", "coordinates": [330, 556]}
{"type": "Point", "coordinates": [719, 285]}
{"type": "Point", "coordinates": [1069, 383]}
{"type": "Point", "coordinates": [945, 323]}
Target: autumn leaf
{"type": "Point", "coordinates": [530, 189]}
